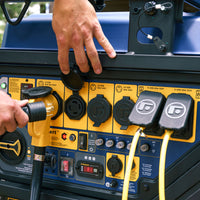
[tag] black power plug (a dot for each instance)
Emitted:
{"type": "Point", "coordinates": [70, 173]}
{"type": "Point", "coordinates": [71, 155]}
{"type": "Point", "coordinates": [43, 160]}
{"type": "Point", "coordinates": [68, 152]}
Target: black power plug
{"type": "Point", "coordinates": [147, 111]}
{"type": "Point", "coordinates": [177, 115]}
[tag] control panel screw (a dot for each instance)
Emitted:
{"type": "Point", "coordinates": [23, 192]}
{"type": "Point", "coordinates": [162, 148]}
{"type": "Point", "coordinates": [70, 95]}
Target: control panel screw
{"type": "Point", "coordinates": [146, 187]}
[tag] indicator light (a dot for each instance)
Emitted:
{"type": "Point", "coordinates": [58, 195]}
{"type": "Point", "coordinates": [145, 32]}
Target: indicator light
{"type": "Point", "coordinates": [3, 85]}
{"type": "Point", "coordinates": [88, 169]}
{"type": "Point", "coordinates": [64, 136]}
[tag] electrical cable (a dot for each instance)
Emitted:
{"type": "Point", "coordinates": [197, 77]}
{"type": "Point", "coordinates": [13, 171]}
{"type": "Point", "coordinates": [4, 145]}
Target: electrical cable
{"type": "Point", "coordinates": [138, 22]}
{"type": "Point", "coordinates": [37, 174]}
{"type": "Point", "coordinates": [163, 7]}
{"type": "Point", "coordinates": [163, 153]}
{"type": "Point", "coordinates": [130, 164]}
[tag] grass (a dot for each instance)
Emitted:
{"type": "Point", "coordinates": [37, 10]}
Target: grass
{"type": "Point", "coordinates": [2, 27]}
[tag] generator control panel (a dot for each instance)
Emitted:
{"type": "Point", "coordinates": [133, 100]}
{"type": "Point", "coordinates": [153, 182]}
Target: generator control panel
{"type": "Point", "coordinates": [140, 115]}
{"type": "Point", "coordinates": [91, 139]}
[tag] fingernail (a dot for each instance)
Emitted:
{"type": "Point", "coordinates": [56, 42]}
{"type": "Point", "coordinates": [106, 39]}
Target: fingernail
{"type": "Point", "coordinates": [113, 54]}
{"type": "Point", "coordinates": [65, 72]}
{"type": "Point", "coordinates": [24, 101]}
{"type": "Point", "coordinates": [98, 71]}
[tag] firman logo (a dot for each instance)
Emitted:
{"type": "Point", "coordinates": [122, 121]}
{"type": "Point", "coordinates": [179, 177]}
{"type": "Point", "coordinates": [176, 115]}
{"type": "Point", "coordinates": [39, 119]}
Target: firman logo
{"type": "Point", "coordinates": [175, 110]}
{"type": "Point", "coordinates": [146, 106]}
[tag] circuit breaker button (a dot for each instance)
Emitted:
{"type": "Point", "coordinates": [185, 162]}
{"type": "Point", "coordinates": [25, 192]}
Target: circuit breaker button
{"type": "Point", "coordinates": [120, 145]}
{"type": "Point", "coordinates": [110, 143]}
{"type": "Point", "coordinates": [145, 147]}
{"type": "Point", "coordinates": [99, 142]}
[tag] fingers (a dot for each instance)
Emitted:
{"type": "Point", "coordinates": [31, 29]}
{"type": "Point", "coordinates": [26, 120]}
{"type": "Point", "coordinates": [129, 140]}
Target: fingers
{"type": "Point", "coordinates": [11, 114]}
{"type": "Point", "coordinates": [93, 55]}
{"type": "Point", "coordinates": [63, 59]}
{"type": "Point", "coordinates": [79, 51]}
{"type": "Point", "coordinates": [2, 130]}
{"type": "Point", "coordinates": [63, 54]}
{"type": "Point", "coordinates": [103, 41]}
{"type": "Point", "coordinates": [10, 123]}
{"type": "Point", "coordinates": [75, 24]}
{"type": "Point", "coordinates": [91, 49]}
{"type": "Point", "coordinates": [20, 117]}
{"type": "Point", "coordinates": [22, 103]}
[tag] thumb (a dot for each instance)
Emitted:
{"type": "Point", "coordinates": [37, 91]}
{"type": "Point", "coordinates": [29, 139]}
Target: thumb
{"type": "Point", "coordinates": [22, 103]}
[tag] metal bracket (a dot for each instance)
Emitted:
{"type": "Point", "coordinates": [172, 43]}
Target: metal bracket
{"type": "Point", "coordinates": [144, 21]}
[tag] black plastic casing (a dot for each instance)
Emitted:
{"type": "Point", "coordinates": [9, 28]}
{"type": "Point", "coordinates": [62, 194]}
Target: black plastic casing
{"type": "Point", "coordinates": [147, 109]}
{"type": "Point", "coordinates": [178, 115]}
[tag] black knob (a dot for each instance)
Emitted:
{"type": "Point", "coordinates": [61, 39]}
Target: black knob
{"type": "Point", "coordinates": [114, 165]}
{"type": "Point", "coordinates": [113, 184]}
{"type": "Point", "coordinates": [72, 137]}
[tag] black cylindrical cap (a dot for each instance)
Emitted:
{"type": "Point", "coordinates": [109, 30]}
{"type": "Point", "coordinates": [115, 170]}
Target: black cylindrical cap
{"type": "Point", "coordinates": [36, 111]}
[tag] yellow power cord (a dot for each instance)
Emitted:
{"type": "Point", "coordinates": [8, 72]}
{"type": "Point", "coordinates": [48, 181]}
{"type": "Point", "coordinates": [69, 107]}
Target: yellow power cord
{"type": "Point", "coordinates": [130, 164]}
{"type": "Point", "coordinates": [163, 153]}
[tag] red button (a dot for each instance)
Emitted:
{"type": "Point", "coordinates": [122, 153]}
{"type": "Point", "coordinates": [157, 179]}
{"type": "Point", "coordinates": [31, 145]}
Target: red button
{"type": "Point", "coordinates": [64, 136]}
{"type": "Point", "coordinates": [65, 165]}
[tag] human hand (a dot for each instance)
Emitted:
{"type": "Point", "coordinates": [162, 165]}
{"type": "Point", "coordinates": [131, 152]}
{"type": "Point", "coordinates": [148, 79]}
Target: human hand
{"type": "Point", "coordinates": [11, 113]}
{"type": "Point", "coordinates": [75, 24]}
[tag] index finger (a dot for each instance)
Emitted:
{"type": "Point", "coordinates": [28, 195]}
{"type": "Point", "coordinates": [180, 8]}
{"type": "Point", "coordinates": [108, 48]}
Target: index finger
{"type": "Point", "coordinates": [103, 41]}
{"type": "Point", "coordinates": [63, 57]}
{"type": "Point", "coordinates": [21, 117]}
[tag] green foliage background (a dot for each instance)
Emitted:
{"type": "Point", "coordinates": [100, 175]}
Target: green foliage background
{"type": "Point", "coordinates": [13, 10]}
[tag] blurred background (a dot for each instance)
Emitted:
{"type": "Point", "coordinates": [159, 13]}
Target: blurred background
{"type": "Point", "coordinates": [47, 7]}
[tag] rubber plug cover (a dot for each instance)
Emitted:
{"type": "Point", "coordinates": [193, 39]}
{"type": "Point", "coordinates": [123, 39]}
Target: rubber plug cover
{"type": "Point", "coordinates": [73, 80]}
{"type": "Point", "coordinates": [121, 112]}
{"type": "Point", "coordinates": [99, 110]}
{"type": "Point", "coordinates": [37, 92]}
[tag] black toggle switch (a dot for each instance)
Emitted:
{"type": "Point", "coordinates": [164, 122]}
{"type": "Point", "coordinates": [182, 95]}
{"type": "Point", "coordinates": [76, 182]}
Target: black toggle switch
{"type": "Point", "coordinates": [83, 141]}
{"type": "Point", "coordinates": [177, 115]}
